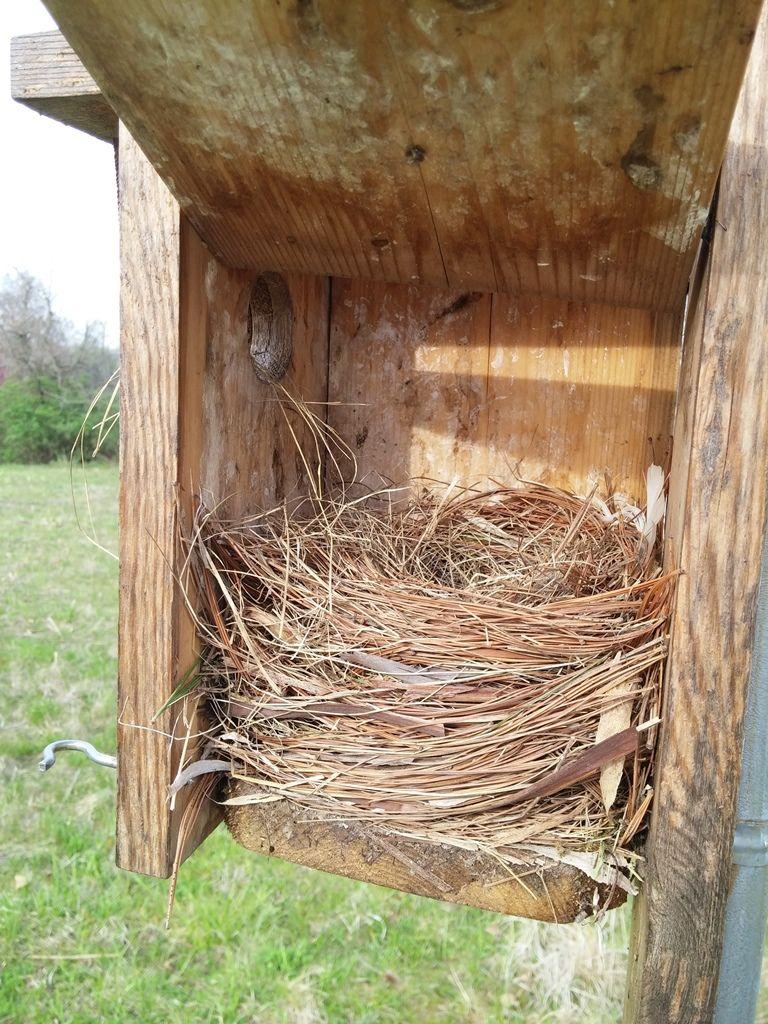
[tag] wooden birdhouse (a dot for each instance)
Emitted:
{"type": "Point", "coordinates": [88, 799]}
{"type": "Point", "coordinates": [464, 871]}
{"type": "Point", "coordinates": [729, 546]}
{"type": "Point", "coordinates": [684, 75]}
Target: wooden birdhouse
{"type": "Point", "coordinates": [476, 233]}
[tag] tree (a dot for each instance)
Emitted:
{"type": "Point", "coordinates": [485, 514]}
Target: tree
{"type": "Point", "coordinates": [49, 373]}
{"type": "Point", "coordinates": [36, 342]}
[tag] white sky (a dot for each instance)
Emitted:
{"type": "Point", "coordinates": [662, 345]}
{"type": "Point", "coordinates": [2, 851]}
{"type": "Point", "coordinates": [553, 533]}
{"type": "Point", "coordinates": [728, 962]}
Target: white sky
{"type": "Point", "coordinates": [58, 205]}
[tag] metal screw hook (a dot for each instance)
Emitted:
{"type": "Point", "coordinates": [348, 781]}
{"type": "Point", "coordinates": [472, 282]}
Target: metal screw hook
{"type": "Point", "coordinates": [49, 754]}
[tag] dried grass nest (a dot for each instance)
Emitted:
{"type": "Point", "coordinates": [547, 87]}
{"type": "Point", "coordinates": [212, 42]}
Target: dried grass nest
{"type": "Point", "coordinates": [468, 668]}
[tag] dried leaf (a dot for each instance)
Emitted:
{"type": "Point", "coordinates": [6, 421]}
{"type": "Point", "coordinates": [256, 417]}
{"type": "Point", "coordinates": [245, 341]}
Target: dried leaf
{"type": "Point", "coordinates": [196, 769]}
{"type": "Point", "coordinates": [614, 719]}
{"type": "Point", "coordinates": [656, 506]}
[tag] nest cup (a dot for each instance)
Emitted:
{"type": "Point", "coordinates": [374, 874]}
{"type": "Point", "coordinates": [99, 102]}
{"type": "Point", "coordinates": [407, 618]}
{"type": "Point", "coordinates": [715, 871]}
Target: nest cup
{"type": "Point", "coordinates": [467, 668]}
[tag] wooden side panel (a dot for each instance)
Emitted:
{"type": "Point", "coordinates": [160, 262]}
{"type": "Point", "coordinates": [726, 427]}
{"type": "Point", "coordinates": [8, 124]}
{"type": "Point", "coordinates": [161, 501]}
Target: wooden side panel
{"type": "Point", "coordinates": [718, 517]}
{"type": "Point", "coordinates": [252, 435]}
{"type": "Point", "coordinates": [476, 387]}
{"type": "Point", "coordinates": [408, 380]}
{"type": "Point", "coordinates": [194, 417]}
{"type": "Point", "coordinates": [151, 409]}
{"type": "Point", "coordinates": [560, 148]}
{"type": "Point", "coordinates": [578, 392]}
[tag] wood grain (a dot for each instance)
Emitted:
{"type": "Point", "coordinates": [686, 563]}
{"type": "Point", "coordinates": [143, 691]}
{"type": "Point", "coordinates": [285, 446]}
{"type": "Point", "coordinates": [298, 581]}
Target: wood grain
{"type": "Point", "coordinates": [580, 393]}
{"type": "Point", "coordinates": [252, 435]}
{"type": "Point", "coordinates": [717, 506]}
{"type": "Point", "coordinates": [150, 607]}
{"type": "Point", "coordinates": [477, 387]}
{"type": "Point", "coordinates": [49, 77]}
{"type": "Point", "coordinates": [541, 889]}
{"type": "Point", "coordinates": [407, 380]}
{"type": "Point", "coordinates": [566, 149]}
{"type": "Point", "coordinates": [194, 419]}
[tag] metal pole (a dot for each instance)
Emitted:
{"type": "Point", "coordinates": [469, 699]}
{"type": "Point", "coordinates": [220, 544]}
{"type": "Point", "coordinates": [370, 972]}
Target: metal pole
{"type": "Point", "coordinates": [747, 909]}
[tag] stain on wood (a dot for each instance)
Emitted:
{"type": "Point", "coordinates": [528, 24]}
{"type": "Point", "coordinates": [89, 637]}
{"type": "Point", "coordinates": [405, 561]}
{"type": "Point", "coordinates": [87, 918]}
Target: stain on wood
{"type": "Point", "coordinates": [407, 380]}
{"type": "Point", "coordinates": [571, 152]}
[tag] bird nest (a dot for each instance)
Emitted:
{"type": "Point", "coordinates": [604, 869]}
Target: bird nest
{"type": "Point", "coordinates": [478, 669]}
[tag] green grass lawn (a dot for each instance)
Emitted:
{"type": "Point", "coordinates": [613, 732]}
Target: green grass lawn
{"type": "Point", "coordinates": [252, 939]}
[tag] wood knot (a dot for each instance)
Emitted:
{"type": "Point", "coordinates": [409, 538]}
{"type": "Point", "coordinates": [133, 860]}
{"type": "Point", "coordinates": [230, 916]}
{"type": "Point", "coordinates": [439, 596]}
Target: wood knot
{"type": "Point", "coordinates": [270, 327]}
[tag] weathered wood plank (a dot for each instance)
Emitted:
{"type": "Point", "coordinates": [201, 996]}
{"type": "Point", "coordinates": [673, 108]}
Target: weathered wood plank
{"type": "Point", "coordinates": [194, 418]}
{"type": "Point", "coordinates": [157, 407]}
{"type": "Point", "coordinates": [544, 890]}
{"type": "Point", "coordinates": [718, 497]}
{"type": "Point", "coordinates": [578, 392]}
{"type": "Point", "coordinates": [566, 149]}
{"type": "Point", "coordinates": [407, 384]}
{"type": "Point", "coordinates": [473, 387]}
{"type": "Point", "coordinates": [250, 456]}
{"type": "Point", "coordinates": [49, 77]}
